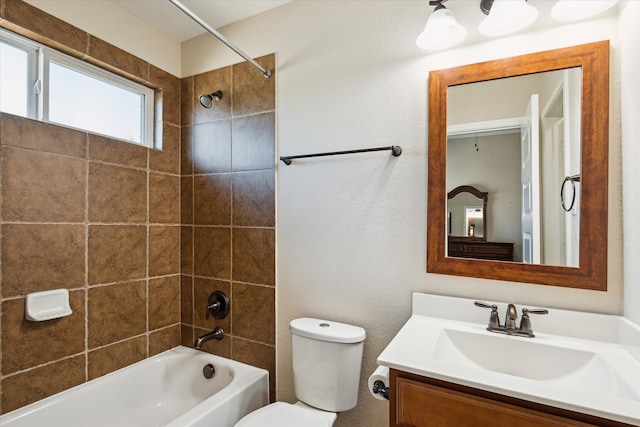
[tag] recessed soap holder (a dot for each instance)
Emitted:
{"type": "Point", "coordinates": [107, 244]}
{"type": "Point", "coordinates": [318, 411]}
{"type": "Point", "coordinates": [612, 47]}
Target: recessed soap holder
{"type": "Point", "coordinates": [47, 305]}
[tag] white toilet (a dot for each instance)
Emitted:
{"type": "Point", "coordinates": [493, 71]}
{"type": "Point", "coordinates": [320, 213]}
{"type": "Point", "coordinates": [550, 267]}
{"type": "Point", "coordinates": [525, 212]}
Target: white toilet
{"type": "Point", "coordinates": [327, 357]}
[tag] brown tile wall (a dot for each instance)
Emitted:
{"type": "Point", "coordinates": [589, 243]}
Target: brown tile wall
{"type": "Point", "coordinates": [96, 216]}
{"type": "Point", "coordinates": [228, 211]}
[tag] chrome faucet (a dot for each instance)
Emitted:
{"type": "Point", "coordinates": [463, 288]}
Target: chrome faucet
{"type": "Point", "coordinates": [509, 327]}
{"type": "Point", "coordinates": [216, 334]}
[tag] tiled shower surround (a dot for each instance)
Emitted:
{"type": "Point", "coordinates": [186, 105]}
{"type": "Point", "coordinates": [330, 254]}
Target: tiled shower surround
{"type": "Point", "coordinates": [87, 214]}
{"type": "Point", "coordinates": [228, 211]}
{"type": "Point", "coordinates": [139, 236]}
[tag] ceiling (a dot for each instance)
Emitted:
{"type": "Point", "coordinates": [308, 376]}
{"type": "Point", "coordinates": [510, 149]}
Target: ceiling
{"type": "Point", "coordinates": [217, 13]}
{"type": "Point", "coordinates": [168, 19]}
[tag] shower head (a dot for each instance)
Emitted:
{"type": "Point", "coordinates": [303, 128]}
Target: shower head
{"type": "Point", "coordinates": [207, 100]}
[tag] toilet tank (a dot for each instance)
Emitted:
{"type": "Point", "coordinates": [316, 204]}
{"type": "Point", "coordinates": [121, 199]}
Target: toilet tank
{"type": "Point", "coordinates": [327, 357]}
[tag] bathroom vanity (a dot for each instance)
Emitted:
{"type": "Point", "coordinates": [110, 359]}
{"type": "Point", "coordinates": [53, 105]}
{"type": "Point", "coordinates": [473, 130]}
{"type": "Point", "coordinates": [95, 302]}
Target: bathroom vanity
{"type": "Point", "coordinates": [423, 401]}
{"type": "Point", "coordinates": [447, 369]}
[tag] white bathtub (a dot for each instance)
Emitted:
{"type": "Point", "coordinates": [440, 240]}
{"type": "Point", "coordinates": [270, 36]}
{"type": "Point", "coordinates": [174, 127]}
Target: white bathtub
{"type": "Point", "coordinates": [165, 390]}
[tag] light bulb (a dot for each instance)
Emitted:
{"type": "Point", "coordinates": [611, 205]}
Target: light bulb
{"type": "Point", "coordinates": [508, 17]}
{"type": "Point", "coordinates": [441, 31]}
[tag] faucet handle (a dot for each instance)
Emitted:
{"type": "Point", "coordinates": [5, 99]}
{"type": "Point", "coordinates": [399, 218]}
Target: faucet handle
{"type": "Point", "coordinates": [218, 305]}
{"type": "Point", "coordinates": [525, 322]}
{"type": "Point", "coordinates": [525, 311]}
{"type": "Point", "coordinates": [485, 305]}
{"type": "Point", "coordinates": [494, 320]}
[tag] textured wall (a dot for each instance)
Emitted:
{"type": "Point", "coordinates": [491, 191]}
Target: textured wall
{"type": "Point", "coordinates": [94, 215]}
{"type": "Point", "coordinates": [352, 229]}
{"type": "Point", "coordinates": [228, 211]}
{"type": "Point", "coordinates": [630, 104]}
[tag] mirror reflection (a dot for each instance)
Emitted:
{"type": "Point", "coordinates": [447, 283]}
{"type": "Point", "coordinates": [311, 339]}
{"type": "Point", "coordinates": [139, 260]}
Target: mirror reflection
{"type": "Point", "coordinates": [467, 210]}
{"type": "Point", "coordinates": [520, 151]}
{"type": "Point", "coordinates": [467, 238]}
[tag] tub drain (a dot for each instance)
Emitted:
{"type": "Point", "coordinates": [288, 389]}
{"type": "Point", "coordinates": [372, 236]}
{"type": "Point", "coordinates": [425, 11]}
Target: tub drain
{"type": "Point", "coordinates": [208, 371]}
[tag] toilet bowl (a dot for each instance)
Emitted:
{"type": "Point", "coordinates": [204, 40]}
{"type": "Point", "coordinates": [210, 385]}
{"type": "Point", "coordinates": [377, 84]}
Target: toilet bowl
{"type": "Point", "coordinates": [281, 414]}
{"type": "Point", "coordinates": [327, 357]}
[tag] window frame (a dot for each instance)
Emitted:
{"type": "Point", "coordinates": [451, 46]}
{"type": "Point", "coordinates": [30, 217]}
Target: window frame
{"type": "Point", "coordinates": [39, 59]}
{"type": "Point", "coordinates": [34, 52]}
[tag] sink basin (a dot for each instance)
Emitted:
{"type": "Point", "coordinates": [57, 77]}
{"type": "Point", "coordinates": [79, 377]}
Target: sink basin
{"type": "Point", "coordinates": [509, 355]}
{"type": "Point", "coordinates": [526, 358]}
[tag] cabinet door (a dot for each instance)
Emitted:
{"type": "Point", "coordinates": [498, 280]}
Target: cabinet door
{"type": "Point", "coordinates": [426, 405]}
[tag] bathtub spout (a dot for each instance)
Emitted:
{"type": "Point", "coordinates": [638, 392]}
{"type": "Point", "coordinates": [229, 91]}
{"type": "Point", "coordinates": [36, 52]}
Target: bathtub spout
{"type": "Point", "coordinates": [216, 334]}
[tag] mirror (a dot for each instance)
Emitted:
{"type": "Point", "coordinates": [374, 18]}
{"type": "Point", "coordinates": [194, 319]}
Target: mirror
{"type": "Point", "coordinates": [521, 149]}
{"type": "Point", "coordinates": [540, 253]}
{"type": "Point", "coordinates": [467, 212]}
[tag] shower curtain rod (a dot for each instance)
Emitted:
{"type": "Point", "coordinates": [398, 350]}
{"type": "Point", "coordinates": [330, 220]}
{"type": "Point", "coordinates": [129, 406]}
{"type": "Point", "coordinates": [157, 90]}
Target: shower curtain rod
{"type": "Point", "coordinates": [265, 72]}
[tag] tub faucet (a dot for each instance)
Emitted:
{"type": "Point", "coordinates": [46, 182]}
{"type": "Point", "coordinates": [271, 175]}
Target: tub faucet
{"type": "Point", "coordinates": [216, 334]}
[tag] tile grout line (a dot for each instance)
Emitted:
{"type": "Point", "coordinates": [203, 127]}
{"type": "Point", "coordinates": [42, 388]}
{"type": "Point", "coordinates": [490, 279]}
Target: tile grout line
{"type": "Point", "coordinates": [1, 236]}
{"type": "Point", "coordinates": [193, 213]}
{"type": "Point", "coordinates": [100, 347]}
{"type": "Point", "coordinates": [148, 215]}
{"type": "Point", "coordinates": [97, 285]}
{"type": "Point", "coordinates": [231, 221]}
{"type": "Point", "coordinates": [86, 267]}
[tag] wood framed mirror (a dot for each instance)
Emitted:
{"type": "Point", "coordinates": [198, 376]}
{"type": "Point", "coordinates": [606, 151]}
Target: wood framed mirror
{"type": "Point", "coordinates": [589, 270]}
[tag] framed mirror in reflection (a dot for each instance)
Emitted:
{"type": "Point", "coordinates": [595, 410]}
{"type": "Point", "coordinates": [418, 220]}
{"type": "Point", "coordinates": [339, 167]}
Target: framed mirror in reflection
{"type": "Point", "coordinates": [467, 212]}
{"type": "Point", "coordinates": [516, 129]}
{"type": "Point", "coordinates": [467, 223]}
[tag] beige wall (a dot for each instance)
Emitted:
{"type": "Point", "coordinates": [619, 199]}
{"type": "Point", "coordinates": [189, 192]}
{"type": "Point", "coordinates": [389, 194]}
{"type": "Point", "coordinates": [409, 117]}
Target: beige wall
{"type": "Point", "coordinates": [351, 230]}
{"type": "Point", "coordinates": [630, 106]}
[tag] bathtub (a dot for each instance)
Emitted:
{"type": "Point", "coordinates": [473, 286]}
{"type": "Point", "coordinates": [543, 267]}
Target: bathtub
{"type": "Point", "coordinates": [168, 390]}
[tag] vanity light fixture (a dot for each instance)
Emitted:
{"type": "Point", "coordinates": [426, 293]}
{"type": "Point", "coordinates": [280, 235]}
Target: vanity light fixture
{"type": "Point", "coordinates": [506, 17]}
{"type": "Point", "coordinates": [442, 30]}
{"type": "Point", "coordinates": [571, 10]}
{"type": "Point", "coordinates": [503, 17]}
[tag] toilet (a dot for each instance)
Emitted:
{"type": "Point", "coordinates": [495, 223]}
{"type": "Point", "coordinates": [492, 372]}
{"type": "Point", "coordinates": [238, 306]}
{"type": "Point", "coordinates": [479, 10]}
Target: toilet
{"type": "Point", "coordinates": [327, 357]}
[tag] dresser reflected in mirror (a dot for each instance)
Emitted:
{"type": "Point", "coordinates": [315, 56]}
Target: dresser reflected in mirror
{"type": "Point", "coordinates": [467, 213]}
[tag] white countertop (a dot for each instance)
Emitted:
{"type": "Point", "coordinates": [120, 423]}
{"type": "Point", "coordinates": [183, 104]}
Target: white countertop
{"type": "Point", "coordinates": [607, 385]}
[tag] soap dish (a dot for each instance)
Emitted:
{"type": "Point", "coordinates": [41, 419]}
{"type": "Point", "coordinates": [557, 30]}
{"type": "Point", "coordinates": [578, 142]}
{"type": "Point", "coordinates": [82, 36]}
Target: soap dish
{"type": "Point", "coordinates": [47, 305]}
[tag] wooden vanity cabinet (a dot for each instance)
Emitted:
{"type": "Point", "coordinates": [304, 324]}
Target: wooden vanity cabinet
{"type": "Point", "coordinates": [417, 401]}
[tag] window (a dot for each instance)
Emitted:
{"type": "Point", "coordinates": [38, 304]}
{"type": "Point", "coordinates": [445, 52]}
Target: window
{"type": "Point", "coordinates": [17, 74]}
{"type": "Point", "coordinates": [42, 83]}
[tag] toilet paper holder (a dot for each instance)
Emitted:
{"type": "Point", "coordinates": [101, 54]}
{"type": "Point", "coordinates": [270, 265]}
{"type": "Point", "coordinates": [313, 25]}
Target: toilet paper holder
{"type": "Point", "coordinates": [380, 388]}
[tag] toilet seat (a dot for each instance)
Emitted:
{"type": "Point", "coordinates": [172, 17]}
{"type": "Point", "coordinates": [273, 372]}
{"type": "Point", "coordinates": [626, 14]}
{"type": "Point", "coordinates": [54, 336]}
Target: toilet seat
{"type": "Point", "coordinates": [281, 414]}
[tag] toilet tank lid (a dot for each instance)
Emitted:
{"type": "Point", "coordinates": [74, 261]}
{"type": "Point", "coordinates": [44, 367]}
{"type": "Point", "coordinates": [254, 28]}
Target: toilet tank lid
{"type": "Point", "coordinates": [327, 330]}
